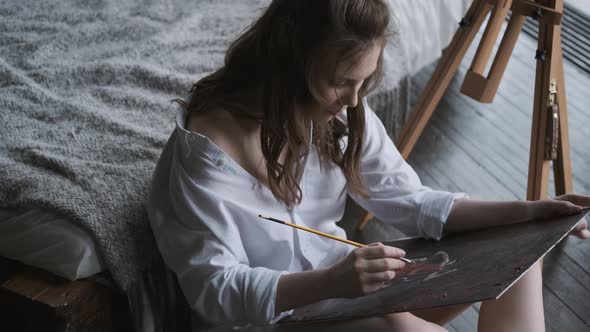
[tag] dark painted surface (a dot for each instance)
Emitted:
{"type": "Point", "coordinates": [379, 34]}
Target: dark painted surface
{"type": "Point", "coordinates": [474, 266]}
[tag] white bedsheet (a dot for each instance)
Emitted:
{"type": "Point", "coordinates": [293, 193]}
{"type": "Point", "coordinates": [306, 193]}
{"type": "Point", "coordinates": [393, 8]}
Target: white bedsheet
{"type": "Point", "coordinates": [41, 239]}
{"type": "Point", "coordinates": [427, 27]}
{"type": "Point", "coordinates": [422, 29]}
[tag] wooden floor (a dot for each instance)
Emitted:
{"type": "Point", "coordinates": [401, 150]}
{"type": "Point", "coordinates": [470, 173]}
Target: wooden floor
{"type": "Point", "coordinates": [483, 150]}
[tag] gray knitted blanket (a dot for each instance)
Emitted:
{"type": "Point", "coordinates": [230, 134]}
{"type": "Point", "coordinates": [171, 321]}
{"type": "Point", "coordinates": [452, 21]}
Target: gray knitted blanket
{"type": "Point", "coordinates": [85, 90]}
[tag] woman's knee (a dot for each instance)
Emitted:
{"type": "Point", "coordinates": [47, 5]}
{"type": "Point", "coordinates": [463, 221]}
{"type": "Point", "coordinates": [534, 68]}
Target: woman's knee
{"type": "Point", "coordinates": [408, 322]}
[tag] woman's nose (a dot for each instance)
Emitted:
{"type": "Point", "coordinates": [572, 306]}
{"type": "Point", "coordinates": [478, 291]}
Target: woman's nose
{"type": "Point", "coordinates": [350, 99]}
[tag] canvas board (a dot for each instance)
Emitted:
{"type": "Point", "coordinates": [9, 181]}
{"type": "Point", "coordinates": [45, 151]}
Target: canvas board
{"type": "Point", "coordinates": [461, 268]}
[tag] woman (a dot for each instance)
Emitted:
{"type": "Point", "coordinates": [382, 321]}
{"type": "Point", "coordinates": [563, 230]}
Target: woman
{"type": "Point", "coordinates": [283, 129]}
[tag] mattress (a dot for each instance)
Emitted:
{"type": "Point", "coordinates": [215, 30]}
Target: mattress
{"type": "Point", "coordinates": [42, 239]}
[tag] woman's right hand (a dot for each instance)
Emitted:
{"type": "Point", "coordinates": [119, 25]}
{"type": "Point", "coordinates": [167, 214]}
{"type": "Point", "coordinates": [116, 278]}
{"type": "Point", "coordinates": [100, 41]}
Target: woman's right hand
{"type": "Point", "coordinates": [365, 270]}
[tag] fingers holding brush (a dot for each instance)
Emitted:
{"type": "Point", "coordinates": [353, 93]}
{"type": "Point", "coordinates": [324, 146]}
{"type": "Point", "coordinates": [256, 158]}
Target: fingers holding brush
{"type": "Point", "coordinates": [367, 269]}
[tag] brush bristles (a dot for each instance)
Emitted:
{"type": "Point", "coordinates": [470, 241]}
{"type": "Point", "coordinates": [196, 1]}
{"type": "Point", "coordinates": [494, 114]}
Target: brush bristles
{"type": "Point", "coordinates": [272, 219]}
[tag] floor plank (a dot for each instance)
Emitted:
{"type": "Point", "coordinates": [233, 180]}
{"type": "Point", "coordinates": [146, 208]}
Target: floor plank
{"type": "Point", "coordinates": [449, 327]}
{"type": "Point", "coordinates": [569, 253]}
{"type": "Point", "coordinates": [466, 322]}
{"type": "Point", "coordinates": [559, 317]}
{"type": "Point", "coordinates": [574, 295]}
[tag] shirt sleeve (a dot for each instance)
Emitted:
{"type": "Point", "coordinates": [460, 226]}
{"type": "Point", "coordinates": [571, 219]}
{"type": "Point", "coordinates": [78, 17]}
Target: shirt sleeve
{"type": "Point", "coordinates": [199, 241]}
{"type": "Point", "coordinates": [396, 194]}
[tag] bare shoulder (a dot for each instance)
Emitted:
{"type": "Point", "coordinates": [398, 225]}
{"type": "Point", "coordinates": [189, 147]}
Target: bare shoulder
{"type": "Point", "coordinates": [227, 131]}
{"type": "Point", "coordinates": [213, 124]}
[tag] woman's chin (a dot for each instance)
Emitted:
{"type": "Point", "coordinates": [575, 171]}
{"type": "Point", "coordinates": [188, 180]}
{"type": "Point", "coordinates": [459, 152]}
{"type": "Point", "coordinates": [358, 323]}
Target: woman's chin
{"type": "Point", "coordinates": [329, 116]}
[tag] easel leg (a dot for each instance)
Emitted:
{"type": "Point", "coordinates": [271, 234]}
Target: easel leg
{"type": "Point", "coordinates": [538, 167]}
{"type": "Point", "coordinates": [549, 69]}
{"type": "Point", "coordinates": [562, 169]}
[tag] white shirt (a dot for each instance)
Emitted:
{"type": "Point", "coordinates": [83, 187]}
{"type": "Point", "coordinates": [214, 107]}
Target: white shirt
{"type": "Point", "coordinates": [203, 208]}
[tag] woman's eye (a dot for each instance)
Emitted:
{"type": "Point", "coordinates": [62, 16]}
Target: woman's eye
{"type": "Point", "coordinates": [339, 83]}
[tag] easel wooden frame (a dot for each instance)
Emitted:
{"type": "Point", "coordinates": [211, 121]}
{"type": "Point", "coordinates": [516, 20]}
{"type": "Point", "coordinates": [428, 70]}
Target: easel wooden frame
{"type": "Point", "coordinates": [549, 136]}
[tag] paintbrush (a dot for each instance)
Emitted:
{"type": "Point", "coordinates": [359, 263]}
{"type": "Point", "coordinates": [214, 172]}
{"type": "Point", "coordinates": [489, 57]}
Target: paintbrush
{"type": "Point", "coordinates": [356, 244]}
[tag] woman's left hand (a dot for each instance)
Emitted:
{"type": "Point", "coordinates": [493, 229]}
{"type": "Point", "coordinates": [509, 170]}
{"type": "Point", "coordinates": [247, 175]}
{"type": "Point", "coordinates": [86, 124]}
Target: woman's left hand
{"type": "Point", "coordinates": [582, 201]}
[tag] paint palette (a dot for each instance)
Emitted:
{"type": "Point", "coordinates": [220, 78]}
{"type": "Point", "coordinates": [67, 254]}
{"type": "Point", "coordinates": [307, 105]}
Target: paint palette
{"type": "Point", "coordinates": [461, 268]}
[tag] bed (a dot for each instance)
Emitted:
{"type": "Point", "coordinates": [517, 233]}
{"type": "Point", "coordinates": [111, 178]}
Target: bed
{"type": "Point", "coordinates": [85, 111]}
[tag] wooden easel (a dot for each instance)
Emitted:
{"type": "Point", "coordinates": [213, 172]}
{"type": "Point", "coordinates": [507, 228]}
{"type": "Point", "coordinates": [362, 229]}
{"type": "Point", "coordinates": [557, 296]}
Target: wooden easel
{"type": "Point", "coordinates": [549, 137]}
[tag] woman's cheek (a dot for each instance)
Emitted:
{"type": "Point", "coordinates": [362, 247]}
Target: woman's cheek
{"type": "Point", "coordinates": [327, 94]}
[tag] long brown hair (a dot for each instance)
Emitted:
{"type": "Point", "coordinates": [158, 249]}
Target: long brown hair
{"type": "Point", "coordinates": [271, 65]}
